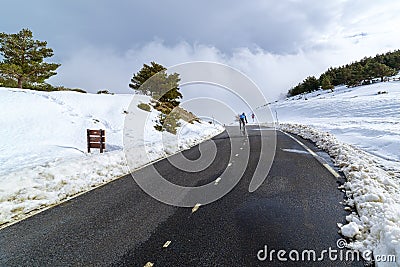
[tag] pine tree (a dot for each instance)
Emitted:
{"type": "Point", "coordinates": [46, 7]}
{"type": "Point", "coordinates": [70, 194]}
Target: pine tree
{"type": "Point", "coordinates": [368, 71]}
{"type": "Point", "coordinates": [23, 58]}
{"type": "Point", "coordinates": [381, 70]}
{"type": "Point", "coordinates": [326, 82]}
{"type": "Point", "coordinates": [356, 77]}
{"type": "Point", "coordinates": [162, 86]}
{"type": "Point", "coordinates": [311, 84]}
{"type": "Point", "coordinates": [143, 75]}
{"type": "Point", "coordinates": [153, 80]}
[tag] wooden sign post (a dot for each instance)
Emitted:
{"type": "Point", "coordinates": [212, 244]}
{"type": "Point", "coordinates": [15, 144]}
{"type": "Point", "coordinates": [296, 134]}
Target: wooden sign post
{"type": "Point", "coordinates": [96, 139]}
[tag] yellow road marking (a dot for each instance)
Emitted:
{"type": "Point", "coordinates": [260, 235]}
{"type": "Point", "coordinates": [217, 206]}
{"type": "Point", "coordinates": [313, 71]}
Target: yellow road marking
{"type": "Point", "coordinates": [337, 175]}
{"type": "Point", "coordinates": [166, 244]}
{"type": "Point", "coordinates": [312, 153]}
{"type": "Point", "coordinates": [196, 207]}
{"type": "Point", "coordinates": [149, 264]}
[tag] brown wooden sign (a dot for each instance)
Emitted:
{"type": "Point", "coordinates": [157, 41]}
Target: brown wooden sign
{"type": "Point", "coordinates": [96, 139]}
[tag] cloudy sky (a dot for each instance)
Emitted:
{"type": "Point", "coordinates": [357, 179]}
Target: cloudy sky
{"type": "Point", "coordinates": [100, 44]}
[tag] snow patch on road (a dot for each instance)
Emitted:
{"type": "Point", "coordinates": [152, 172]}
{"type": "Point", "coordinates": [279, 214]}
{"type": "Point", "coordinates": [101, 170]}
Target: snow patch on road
{"type": "Point", "coordinates": [295, 151]}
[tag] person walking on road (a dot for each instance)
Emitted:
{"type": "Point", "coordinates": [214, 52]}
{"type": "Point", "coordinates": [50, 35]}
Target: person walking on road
{"type": "Point", "coordinates": [242, 121]}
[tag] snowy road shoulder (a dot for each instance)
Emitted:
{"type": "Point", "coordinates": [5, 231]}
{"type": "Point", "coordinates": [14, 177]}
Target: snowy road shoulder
{"type": "Point", "coordinates": [372, 188]}
{"type": "Point", "coordinates": [29, 190]}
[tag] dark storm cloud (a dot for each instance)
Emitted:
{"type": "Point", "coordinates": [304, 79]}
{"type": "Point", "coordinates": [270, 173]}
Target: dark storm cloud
{"type": "Point", "coordinates": [276, 43]}
{"type": "Point", "coordinates": [275, 26]}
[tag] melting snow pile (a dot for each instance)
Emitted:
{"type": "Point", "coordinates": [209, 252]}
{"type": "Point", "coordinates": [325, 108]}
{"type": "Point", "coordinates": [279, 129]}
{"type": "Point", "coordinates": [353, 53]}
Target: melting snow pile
{"type": "Point", "coordinates": [43, 156]}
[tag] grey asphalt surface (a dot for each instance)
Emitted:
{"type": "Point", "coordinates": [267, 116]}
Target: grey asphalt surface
{"type": "Point", "coordinates": [296, 208]}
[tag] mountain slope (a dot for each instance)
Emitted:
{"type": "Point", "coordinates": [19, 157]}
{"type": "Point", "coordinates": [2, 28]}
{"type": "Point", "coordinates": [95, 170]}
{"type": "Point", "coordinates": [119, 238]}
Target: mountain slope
{"type": "Point", "coordinates": [360, 116]}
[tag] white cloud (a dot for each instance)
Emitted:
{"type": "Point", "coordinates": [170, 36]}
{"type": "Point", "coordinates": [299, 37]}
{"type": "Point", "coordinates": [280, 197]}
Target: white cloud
{"type": "Point", "coordinates": [94, 68]}
{"type": "Point", "coordinates": [309, 37]}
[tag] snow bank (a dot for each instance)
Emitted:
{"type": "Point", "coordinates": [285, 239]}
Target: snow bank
{"type": "Point", "coordinates": [43, 159]}
{"type": "Point", "coordinates": [350, 230]}
{"type": "Point", "coordinates": [373, 190]}
{"type": "Point", "coordinates": [31, 189]}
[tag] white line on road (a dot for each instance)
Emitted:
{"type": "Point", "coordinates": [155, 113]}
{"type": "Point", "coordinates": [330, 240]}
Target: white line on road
{"type": "Point", "coordinates": [318, 158]}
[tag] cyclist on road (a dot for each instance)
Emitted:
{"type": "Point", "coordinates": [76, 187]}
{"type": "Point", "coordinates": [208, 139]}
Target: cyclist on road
{"type": "Point", "coordinates": [242, 120]}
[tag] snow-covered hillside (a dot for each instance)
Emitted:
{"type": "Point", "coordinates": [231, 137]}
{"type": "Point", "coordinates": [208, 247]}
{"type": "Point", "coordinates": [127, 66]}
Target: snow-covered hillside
{"type": "Point", "coordinates": [43, 157]}
{"type": "Point", "coordinates": [360, 116]}
{"type": "Point", "coordinates": [360, 129]}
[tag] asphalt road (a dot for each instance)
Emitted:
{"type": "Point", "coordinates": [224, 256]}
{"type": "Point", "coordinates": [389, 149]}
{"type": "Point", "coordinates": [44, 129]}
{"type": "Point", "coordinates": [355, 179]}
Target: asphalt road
{"type": "Point", "coordinates": [295, 208]}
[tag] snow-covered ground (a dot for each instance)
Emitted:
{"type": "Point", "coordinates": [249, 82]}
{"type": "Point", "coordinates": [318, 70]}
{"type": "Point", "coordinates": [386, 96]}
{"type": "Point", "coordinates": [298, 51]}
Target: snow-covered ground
{"type": "Point", "coordinates": [43, 157]}
{"type": "Point", "coordinates": [360, 128]}
{"type": "Point", "coordinates": [358, 116]}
